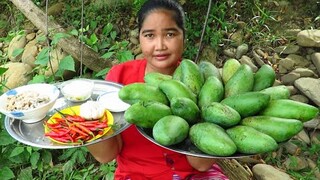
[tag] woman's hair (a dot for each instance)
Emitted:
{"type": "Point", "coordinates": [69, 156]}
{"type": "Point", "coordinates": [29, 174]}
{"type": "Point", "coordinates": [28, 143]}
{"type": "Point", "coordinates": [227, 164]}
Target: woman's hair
{"type": "Point", "coordinates": [171, 5]}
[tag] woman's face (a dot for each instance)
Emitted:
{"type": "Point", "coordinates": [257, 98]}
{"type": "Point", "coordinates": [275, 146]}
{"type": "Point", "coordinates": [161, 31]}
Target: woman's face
{"type": "Point", "coordinates": [161, 41]}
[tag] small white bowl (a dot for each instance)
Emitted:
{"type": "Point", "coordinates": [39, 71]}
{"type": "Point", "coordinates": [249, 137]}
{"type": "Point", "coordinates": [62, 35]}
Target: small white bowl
{"type": "Point", "coordinates": [112, 102]}
{"type": "Point", "coordinates": [77, 90]}
{"type": "Point", "coordinates": [30, 115]}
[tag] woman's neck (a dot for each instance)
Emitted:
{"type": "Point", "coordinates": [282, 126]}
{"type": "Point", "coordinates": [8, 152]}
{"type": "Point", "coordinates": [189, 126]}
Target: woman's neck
{"type": "Point", "coordinates": [168, 71]}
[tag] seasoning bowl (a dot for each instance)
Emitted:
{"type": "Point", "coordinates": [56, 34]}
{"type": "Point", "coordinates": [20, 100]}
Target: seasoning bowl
{"type": "Point", "coordinates": [77, 90]}
{"type": "Point", "coordinates": [29, 103]}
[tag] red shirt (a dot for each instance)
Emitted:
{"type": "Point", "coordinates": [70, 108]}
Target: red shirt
{"type": "Point", "coordinates": [141, 159]}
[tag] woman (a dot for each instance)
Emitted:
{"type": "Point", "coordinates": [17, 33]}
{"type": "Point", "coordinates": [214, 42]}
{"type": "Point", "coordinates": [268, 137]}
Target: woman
{"type": "Point", "coordinates": [161, 35]}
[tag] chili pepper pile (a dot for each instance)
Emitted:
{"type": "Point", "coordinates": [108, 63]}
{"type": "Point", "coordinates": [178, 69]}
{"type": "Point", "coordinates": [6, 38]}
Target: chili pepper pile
{"type": "Point", "coordinates": [75, 129]}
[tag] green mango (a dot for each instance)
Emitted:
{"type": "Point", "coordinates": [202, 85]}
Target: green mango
{"type": "Point", "coordinates": [290, 109]}
{"type": "Point", "coordinates": [229, 68]}
{"type": "Point", "coordinates": [280, 129]}
{"type": "Point", "coordinates": [155, 78]}
{"type": "Point", "coordinates": [185, 108]}
{"type": "Point", "coordinates": [208, 69]}
{"type": "Point", "coordinates": [241, 81]}
{"type": "Point", "coordinates": [251, 141]}
{"type": "Point", "coordinates": [146, 113]}
{"type": "Point", "coordinates": [177, 74]}
{"type": "Point", "coordinates": [247, 104]}
{"type": "Point", "coordinates": [220, 114]}
{"type": "Point", "coordinates": [211, 91]}
{"type": "Point", "coordinates": [135, 92]}
{"type": "Point", "coordinates": [170, 130]}
{"type": "Point", "coordinates": [264, 78]}
{"type": "Point", "coordinates": [174, 88]}
{"type": "Point", "coordinates": [191, 75]}
{"type": "Point", "coordinates": [211, 139]}
{"type": "Point", "coordinates": [277, 92]}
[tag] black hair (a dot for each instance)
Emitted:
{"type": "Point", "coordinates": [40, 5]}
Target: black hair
{"type": "Point", "coordinates": [171, 5]}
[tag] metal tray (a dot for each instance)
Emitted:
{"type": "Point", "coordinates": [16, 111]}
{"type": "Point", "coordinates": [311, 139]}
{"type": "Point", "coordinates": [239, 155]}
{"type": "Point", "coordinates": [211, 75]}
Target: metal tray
{"type": "Point", "coordinates": [186, 147]}
{"type": "Point", "coordinates": [33, 134]}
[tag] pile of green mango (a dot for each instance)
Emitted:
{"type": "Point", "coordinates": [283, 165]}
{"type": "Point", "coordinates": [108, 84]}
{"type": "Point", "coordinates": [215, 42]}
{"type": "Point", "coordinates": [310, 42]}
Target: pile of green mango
{"type": "Point", "coordinates": [223, 112]}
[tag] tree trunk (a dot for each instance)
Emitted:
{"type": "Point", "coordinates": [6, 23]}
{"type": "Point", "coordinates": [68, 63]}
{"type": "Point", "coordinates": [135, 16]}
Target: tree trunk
{"type": "Point", "coordinates": [70, 45]}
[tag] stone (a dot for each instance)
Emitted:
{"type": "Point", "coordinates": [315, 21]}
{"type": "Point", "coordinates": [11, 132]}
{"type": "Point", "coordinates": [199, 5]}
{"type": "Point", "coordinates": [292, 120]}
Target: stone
{"type": "Point", "coordinates": [230, 52]}
{"type": "Point", "coordinates": [257, 58]}
{"type": "Point", "coordinates": [241, 50]}
{"type": "Point", "coordinates": [291, 148]}
{"type": "Point", "coordinates": [303, 136]}
{"type": "Point", "coordinates": [300, 98]}
{"type": "Point", "coordinates": [30, 36]}
{"type": "Point", "coordinates": [17, 42]}
{"type": "Point", "coordinates": [268, 172]}
{"type": "Point", "coordinates": [210, 54]}
{"type": "Point", "coordinates": [312, 124]}
{"type": "Point", "coordinates": [304, 72]}
{"type": "Point", "coordinates": [299, 61]}
{"type": "Point", "coordinates": [18, 74]}
{"type": "Point", "coordinates": [289, 79]}
{"type": "Point", "coordinates": [247, 60]}
{"type": "Point", "coordinates": [288, 64]}
{"type": "Point", "coordinates": [309, 87]}
{"type": "Point", "coordinates": [29, 55]}
{"type": "Point", "coordinates": [296, 163]}
{"type": "Point", "coordinates": [289, 49]}
{"type": "Point", "coordinates": [315, 58]}
{"type": "Point", "coordinates": [309, 38]}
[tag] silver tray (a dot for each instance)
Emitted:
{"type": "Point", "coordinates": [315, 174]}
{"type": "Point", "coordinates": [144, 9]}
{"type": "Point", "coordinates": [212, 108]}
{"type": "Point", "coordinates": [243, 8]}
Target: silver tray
{"type": "Point", "coordinates": [33, 134]}
{"type": "Point", "coordinates": [186, 147]}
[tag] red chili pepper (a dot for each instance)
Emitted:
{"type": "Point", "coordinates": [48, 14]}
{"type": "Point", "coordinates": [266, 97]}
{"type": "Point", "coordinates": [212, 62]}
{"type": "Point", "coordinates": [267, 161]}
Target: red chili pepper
{"type": "Point", "coordinates": [75, 118]}
{"type": "Point", "coordinates": [60, 139]}
{"type": "Point", "coordinates": [75, 129]}
{"type": "Point", "coordinates": [83, 128]}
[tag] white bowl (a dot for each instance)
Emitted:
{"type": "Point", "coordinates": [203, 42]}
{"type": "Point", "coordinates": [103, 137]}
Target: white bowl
{"type": "Point", "coordinates": [31, 114]}
{"type": "Point", "coordinates": [77, 90]}
{"type": "Point", "coordinates": [112, 102]}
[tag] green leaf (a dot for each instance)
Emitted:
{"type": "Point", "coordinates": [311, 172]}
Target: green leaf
{"type": "Point", "coordinates": [93, 38]}
{"type": "Point", "coordinates": [17, 52]}
{"type": "Point", "coordinates": [5, 139]}
{"type": "Point", "coordinates": [67, 167]}
{"type": "Point", "coordinates": [38, 79]}
{"type": "Point", "coordinates": [41, 38]}
{"type": "Point", "coordinates": [35, 156]}
{"type": "Point", "coordinates": [107, 55]}
{"type": "Point", "coordinates": [67, 154]}
{"type": "Point", "coordinates": [113, 35]}
{"type": "Point", "coordinates": [43, 57]}
{"type": "Point", "coordinates": [25, 174]}
{"type": "Point", "coordinates": [102, 73]}
{"type": "Point", "coordinates": [74, 32]}
{"type": "Point", "coordinates": [29, 149]}
{"type": "Point", "coordinates": [125, 56]}
{"type": "Point", "coordinates": [6, 173]}
{"type": "Point", "coordinates": [57, 37]}
{"type": "Point", "coordinates": [67, 63]}
{"type": "Point", "coordinates": [107, 29]}
{"type": "Point", "coordinates": [3, 70]}
{"type": "Point", "coordinates": [46, 156]}
{"type": "Point", "coordinates": [93, 24]}
{"type": "Point", "coordinates": [16, 151]}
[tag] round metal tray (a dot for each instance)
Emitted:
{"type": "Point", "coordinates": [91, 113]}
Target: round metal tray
{"type": "Point", "coordinates": [186, 147]}
{"type": "Point", "coordinates": [33, 134]}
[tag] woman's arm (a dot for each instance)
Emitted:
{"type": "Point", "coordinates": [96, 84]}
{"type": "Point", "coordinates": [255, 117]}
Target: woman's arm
{"type": "Point", "coordinates": [200, 164]}
{"type": "Point", "coordinates": [106, 150]}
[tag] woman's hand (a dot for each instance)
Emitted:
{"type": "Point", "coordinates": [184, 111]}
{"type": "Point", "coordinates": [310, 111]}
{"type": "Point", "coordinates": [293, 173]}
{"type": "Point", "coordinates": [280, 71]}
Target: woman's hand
{"type": "Point", "coordinates": [106, 150]}
{"type": "Point", "coordinates": [200, 164]}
